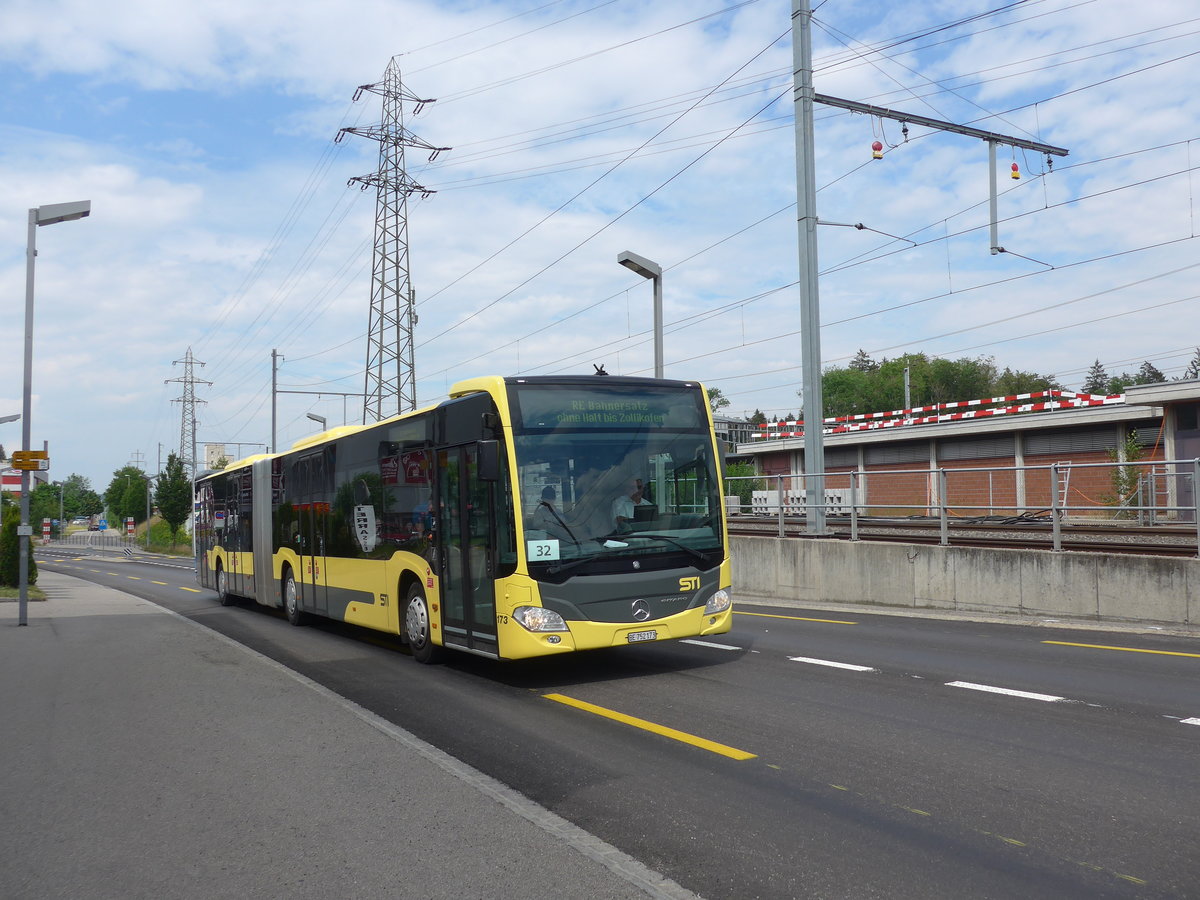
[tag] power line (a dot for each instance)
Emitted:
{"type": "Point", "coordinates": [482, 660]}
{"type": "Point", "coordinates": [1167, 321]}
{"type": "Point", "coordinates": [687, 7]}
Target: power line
{"type": "Point", "coordinates": [580, 193]}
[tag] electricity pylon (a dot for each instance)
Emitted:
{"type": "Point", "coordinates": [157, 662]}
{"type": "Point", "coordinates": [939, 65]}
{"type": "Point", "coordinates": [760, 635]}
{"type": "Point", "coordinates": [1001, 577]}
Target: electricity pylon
{"type": "Point", "coordinates": [391, 382]}
{"type": "Point", "coordinates": [187, 428]}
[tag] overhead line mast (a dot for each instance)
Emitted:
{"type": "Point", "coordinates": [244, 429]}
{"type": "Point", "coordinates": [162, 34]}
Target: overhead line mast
{"type": "Point", "coordinates": [806, 214]}
{"type": "Point", "coordinates": [391, 383]}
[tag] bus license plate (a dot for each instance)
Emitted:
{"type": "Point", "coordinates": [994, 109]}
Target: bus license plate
{"type": "Point", "coordinates": [634, 636]}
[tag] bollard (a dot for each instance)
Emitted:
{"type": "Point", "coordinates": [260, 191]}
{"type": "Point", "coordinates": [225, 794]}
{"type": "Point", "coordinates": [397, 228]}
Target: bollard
{"type": "Point", "coordinates": [782, 501]}
{"type": "Point", "coordinates": [1055, 524]}
{"type": "Point", "coordinates": [854, 506]}
{"type": "Point", "coordinates": [945, 520]}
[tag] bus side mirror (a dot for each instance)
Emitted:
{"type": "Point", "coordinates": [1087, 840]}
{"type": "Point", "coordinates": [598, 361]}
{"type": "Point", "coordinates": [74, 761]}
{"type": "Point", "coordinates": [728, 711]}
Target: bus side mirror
{"type": "Point", "coordinates": [489, 460]}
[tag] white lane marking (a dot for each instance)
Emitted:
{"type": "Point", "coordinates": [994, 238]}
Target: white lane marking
{"type": "Point", "coordinates": [831, 664]}
{"type": "Point", "coordinates": [710, 644]}
{"type": "Point", "coordinates": [1190, 721]}
{"type": "Point", "coordinates": [1028, 695]}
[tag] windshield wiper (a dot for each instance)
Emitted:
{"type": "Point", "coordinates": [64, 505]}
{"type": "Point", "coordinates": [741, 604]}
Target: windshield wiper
{"type": "Point", "coordinates": [662, 537]}
{"type": "Point", "coordinates": [568, 565]}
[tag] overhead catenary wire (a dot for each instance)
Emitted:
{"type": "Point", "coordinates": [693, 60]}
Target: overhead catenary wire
{"type": "Point", "coordinates": [348, 342]}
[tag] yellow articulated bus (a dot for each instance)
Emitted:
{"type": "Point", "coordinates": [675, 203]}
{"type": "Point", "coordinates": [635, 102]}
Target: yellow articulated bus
{"type": "Point", "coordinates": [521, 517]}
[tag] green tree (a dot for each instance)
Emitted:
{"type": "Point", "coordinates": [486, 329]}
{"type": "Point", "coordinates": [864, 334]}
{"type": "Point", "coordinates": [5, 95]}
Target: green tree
{"type": "Point", "coordinates": [125, 496]}
{"type": "Point", "coordinates": [717, 399]}
{"type": "Point", "coordinates": [847, 392]}
{"type": "Point", "coordinates": [1118, 383]}
{"type": "Point", "coordinates": [759, 418]}
{"type": "Point", "coordinates": [1193, 368]}
{"type": "Point", "coordinates": [79, 499]}
{"type": "Point", "coordinates": [865, 386]}
{"type": "Point", "coordinates": [10, 550]}
{"type": "Point", "coordinates": [173, 495]}
{"type": "Point", "coordinates": [43, 504]}
{"type": "Point", "coordinates": [1015, 382]}
{"type": "Point", "coordinates": [862, 362]}
{"type": "Point", "coordinates": [1125, 478]}
{"type": "Point", "coordinates": [1096, 381]}
{"type": "Point", "coordinates": [744, 487]}
{"type": "Point", "coordinates": [1150, 374]}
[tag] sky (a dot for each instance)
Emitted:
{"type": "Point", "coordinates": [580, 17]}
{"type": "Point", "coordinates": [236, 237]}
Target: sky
{"type": "Point", "coordinates": [222, 222]}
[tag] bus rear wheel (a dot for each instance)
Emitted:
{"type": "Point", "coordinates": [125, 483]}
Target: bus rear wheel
{"type": "Point", "coordinates": [291, 601]}
{"type": "Point", "coordinates": [418, 630]}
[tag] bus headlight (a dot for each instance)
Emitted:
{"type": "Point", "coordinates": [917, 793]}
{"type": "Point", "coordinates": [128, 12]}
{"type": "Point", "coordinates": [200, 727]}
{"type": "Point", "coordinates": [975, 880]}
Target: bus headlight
{"type": "Point", "coordinates": [538, 618]}
{"type": "Point", "coordinates": [718, 602]}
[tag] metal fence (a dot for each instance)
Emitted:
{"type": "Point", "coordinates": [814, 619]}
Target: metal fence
{"type": "Point", "coordinates": [108, 540]}
{"type": "Point", "coordinates": [1064, 494]}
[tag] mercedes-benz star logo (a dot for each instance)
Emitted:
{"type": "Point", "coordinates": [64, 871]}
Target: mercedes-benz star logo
{"type": "Point", "coordinates": [641, 610]}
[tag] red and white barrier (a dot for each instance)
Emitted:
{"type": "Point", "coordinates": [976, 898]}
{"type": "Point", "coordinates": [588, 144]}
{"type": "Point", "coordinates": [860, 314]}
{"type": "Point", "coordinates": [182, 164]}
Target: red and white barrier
{"type": "Point", "coordinates": [920, 415]}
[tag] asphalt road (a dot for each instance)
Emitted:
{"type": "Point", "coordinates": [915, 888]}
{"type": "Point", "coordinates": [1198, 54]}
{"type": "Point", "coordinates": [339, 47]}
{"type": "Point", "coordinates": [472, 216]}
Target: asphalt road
{"type": "Point", "coordinates": [805, 754]}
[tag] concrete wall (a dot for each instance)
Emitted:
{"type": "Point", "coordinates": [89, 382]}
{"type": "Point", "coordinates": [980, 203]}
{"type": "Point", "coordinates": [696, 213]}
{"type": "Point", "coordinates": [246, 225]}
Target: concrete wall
{"type": "Point", "coordinates": [1095, 586]}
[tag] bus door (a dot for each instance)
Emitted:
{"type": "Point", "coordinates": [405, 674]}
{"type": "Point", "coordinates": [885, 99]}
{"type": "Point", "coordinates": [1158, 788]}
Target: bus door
{"type": "Point", "coordinates": [313, 514]}
{"type": "Point", "coordinates": [465, 529]}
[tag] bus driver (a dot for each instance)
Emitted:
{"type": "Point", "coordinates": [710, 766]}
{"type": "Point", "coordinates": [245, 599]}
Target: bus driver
{"type": "Point", "coordinates": [622, 508]}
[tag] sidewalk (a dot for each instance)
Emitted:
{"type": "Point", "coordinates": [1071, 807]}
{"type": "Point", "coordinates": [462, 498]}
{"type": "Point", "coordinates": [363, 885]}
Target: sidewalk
{"type": "Point", "coordinates": [142, 755]}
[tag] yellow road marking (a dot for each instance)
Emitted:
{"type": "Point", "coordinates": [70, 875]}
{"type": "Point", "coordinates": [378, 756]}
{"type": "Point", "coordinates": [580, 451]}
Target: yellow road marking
{"type": "Point", "coordinates": [134, 577]}
{"type": "Point", "coordinates": [163, 583]}
{"type": "Point", "coordinates": [738, 612]}
{"type": "Point", "coordinates": [1125, 649]}
{"type": "Point", "coordinates": [683, 736]}
{"type": "Point", "coordinates": [192, 590]}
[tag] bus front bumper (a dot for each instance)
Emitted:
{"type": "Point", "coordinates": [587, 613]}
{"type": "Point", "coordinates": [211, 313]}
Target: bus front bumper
{"type": "Point", "coordinates": [518, 643]}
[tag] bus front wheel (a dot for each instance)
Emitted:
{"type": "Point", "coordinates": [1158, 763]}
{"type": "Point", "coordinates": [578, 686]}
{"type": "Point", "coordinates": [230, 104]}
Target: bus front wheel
{"type": "Point", "coordinates": [417, 627]}
{"type": "Point", "coordinates": [223, 594]}
{"type": "Point", "coordinates": [291, 601]}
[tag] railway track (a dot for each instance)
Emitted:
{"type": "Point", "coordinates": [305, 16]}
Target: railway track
{"type": "Point", "coordinates": [1036, 534]}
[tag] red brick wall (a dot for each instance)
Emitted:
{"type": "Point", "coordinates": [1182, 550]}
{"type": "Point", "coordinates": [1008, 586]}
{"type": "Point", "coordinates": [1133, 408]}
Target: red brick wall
{"type": "Point", "coordinates": [975, 488]}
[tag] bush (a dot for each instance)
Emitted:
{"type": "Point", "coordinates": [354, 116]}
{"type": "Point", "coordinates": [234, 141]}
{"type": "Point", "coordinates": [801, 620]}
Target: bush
{"type": "Point", "coordinates": [743, 489]}
{"type": "Point", "coordinates": [10, 551]}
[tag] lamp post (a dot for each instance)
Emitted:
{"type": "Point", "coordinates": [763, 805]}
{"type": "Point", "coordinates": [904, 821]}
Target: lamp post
{"type": "Point", "coordinates": [653, 271]}
{"type": "Point", "coordinates": [149, 478]}
{"type": "Point", "coordinates": [50, 214]}
{"type": "Point", "coordinates": [320, 420]}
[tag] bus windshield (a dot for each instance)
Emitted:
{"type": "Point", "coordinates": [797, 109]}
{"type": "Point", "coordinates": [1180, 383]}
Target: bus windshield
{"type": "Point", "coordinates": [615, 472]}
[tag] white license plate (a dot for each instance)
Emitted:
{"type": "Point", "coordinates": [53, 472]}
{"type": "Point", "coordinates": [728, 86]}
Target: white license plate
{"type": "Point", "coordinates": [634, 636]}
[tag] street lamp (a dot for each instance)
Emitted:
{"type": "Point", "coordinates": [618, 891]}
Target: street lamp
{"type": "Point", "coordinates": [320, 420]}
{"type": "Point", "coordinates": [50, 214]}
{"type": "Point", "coordinates": [653, 271]}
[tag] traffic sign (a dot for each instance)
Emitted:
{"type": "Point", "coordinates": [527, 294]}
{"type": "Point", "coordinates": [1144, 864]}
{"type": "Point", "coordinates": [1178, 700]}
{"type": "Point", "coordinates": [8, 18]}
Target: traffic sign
{"type": "Point", "coordinates": [31, 465]}
{"type": "Point", "coordinates": [31, 460]}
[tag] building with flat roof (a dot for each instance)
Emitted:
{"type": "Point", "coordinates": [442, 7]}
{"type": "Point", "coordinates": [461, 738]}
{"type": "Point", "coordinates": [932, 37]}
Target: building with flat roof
{"type": "Point", "coordinates": [1000, 453]}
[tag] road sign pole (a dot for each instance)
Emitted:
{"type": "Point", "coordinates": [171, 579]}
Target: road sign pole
{"type": "Point", "coordinates": [24, 529]}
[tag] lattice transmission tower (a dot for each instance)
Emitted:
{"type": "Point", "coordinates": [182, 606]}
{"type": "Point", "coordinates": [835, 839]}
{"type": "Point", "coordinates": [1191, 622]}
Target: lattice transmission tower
{"type": "Point", "coordinates": [391, 381]}
{"type": "Point", "coordinates": [187, 428]}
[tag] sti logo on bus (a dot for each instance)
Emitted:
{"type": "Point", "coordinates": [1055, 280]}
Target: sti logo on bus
{"type": "Point", "coordinates": [691, 583]}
